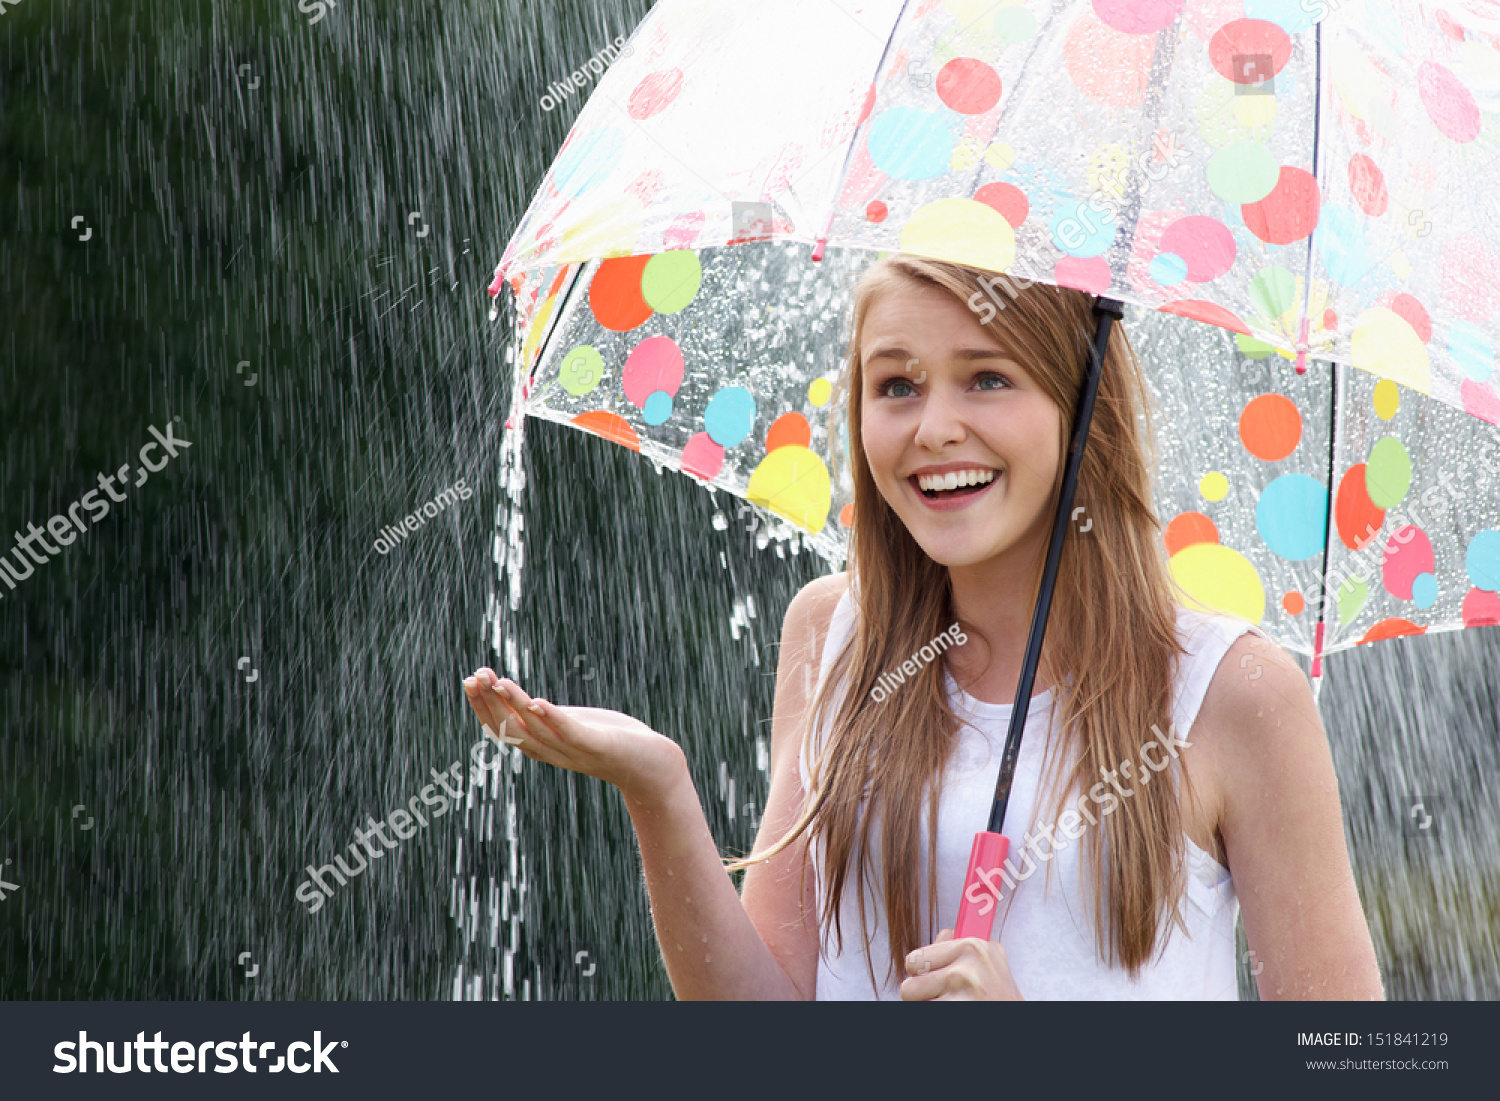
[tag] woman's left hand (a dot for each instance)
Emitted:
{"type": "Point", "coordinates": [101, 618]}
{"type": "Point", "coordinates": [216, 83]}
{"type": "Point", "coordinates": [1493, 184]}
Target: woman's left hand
{"type": "Point", "coordinates": [968, 970]}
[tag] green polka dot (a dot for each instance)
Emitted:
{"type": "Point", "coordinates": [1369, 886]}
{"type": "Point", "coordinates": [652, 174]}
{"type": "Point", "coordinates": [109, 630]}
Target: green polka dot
{"type": "Point", "coordinates": [580, 370]}
{"type": "Point", "coordinates": [1272, 290]}
{"type": "Point", "coordinates": [1352, 595]}
{"type": "Point", "coordinates": [1243, 172]}
{"type": "Point", "coordinates": [1388, 473]}
{"type": "Point", "coordinates": [1255, 349]}
{"type": "Point", "coordinates": [670, 280]}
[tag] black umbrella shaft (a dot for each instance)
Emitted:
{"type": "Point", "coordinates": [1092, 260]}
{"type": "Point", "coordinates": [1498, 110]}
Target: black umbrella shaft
{"type": "Point", "coordinates": [1107, 310]}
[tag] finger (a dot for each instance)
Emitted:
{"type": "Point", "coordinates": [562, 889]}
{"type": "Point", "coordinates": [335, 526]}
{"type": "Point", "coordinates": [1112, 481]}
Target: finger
{"type": "Point", "coordinates": [925, 988]}
{"type": "Point", "coordinates": [934, 956]}
{"type": "Point", "coordinates": [528, 716]}
{"type": "Point", "coordinates": [946, 934]}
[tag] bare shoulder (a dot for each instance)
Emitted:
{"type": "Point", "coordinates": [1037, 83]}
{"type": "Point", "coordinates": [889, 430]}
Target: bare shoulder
{"type": "Point", "coordinates": [811, 611]}
{"type": "Point", "coordinates": [1259, 700]}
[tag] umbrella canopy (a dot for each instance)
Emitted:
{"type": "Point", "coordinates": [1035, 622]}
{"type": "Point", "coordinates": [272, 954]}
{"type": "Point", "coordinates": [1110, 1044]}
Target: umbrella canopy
{"type": "Point", "coordinates": [1302, 173]}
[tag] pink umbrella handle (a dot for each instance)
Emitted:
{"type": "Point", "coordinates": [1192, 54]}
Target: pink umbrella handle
{"type": "Point", "coordinates": [976, 910]}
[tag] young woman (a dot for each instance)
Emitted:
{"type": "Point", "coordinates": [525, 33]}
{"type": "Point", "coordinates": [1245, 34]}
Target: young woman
{"type": "Point", "coordinates": [1174, 769]}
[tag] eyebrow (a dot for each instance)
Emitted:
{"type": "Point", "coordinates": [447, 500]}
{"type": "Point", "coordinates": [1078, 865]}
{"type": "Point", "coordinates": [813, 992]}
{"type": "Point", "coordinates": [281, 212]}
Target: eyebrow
{"type": "Point", "coordinates": [969, 354]}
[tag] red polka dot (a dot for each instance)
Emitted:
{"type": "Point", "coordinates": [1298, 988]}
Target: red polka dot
{"type": "Point", "coordinates": [1357, 517]}
{"type": "Point", "coordinates": [646, 186]}
{"type": "Point", "coordinates": [655, 93]}
{"type": "Point", "coordinates": [1293, 603]}
{"type": "Point", "coordinates": [1270, 427]}
{"type": "Point", "coordinates": [968, 86]}
{"type": "Point", "coordinates": [1367, 183]}
{"type": "Point", "coordinates": [1209, 312]}
{"type": "Point", "coordinates": [876, 211]}
{"type": "Point", "coordinates": [1205, 244]}
{"type": "Point", "coordinates": [1006, 199]}
{"type": "Point", "coordinates": [1230, 50]}
{"type": "Point", "coordinates": [1409, 308]}
{"type": "Point", "coordinates": [789, 430]}
{"type": "Point", "coordinates": [1289, 213]}
{"type": "Point", "coordinates": [1186, 529]}
{"type": "Point", "coordinates": [615, 294]}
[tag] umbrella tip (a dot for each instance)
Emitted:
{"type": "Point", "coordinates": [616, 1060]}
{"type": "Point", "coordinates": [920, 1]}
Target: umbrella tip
{"type": "Point", "coordinates": [1301, 361]}
{"type": "Point", "coordinates": [817, 252]}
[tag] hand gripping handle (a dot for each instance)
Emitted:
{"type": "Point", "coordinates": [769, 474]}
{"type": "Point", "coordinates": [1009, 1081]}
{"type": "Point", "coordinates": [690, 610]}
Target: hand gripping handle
{"type": "Point", "coordinates": [982, 885]}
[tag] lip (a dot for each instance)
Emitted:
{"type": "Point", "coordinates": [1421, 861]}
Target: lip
{"type": "Point", "coordinates": [952, 504]}
{"type": "Point", "coordinates": [950, 468]}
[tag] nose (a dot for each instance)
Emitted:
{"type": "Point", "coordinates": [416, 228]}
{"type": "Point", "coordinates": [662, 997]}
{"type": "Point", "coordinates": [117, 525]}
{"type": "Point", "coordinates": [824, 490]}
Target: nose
{"type": "Point", "coordinates": [941, 425]}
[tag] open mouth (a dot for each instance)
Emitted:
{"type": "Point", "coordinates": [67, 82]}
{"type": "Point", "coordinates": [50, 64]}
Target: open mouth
{"type": "Point", "coordinates": [955, 493]}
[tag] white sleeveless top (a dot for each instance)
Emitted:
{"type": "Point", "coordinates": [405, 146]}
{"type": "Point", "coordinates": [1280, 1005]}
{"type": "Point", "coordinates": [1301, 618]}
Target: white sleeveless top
{"type": "Point", "coordinates": [1044, 921]}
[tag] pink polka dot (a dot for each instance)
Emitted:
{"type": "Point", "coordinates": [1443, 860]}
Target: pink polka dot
{"type": "Point", "coordinates": [968, 86]}
{"type": "Point", "coordinates": [655, 364]}
{"type": "Point", "coordinates": [1367, 183]}
{"type": "Point", "coordinates": [1470, 278]}
{"type": "Point", "coordinates": [1138, 16]}
{"type": "Point", "coordinates": [1289, 213]}
{"type": "Point", "coordinates": [702, 457]}
{"type": "Point", "coordinates": [876, 211]}
{"type": "Point", "coordinates": [655, 93]}
{"type": "Point", "coordinates": [1408, 554]}
{"type": "Point", "coordinates": [1106, 65]}
{"type": "Point", "coordinates": [683, 231]}
{"type": "Point", "coordinates": [1009, 200]}
{"type": "Point", "coordinates": [1481, 609]}
{"type": "Point", "coordinates": [1406, 306]}
{"type": "Point", "coordinates": [1449, 104]}
{"type": "Point", "coordinates": [1083, 273]}
{"type": "Point", "coordinates": [1205, 243]}
{"type": "Point", "coordinates": [646, 186]}
{"type": "Point", "coordinates": [1480, 400]}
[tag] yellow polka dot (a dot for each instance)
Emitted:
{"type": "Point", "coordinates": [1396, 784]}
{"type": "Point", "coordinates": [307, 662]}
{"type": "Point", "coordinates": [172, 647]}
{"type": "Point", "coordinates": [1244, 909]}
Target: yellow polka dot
{"type": "Point", "coordinates": [793, 482]}
{"type": "Point", "coordinates": [1214, 486]}
{"type": "Point", "coordinates": [963, 231]}
{"type": "Point", "coordinates": [1384, 343]}
{"type": "Point", "coordinates": [820, 391]}
{"type": "Point", "coordinates": [1399, 264]}
{"type": "Point", "coordinates": [1387, 399]}
{"type": "Point", "coordinates": [1254, 111]}
{"type": "Point", "coordinates": [965, 155]}
{"type": "Point", "coordinates": [999, 156]}
{"type": "Point", "coordinates": [1220, 579]}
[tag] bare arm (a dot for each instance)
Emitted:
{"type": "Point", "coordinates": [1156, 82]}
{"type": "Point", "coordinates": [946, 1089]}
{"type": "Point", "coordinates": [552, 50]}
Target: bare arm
{"type": "Point", "coordinates": [1283, 831]}
{"type": "Point", "coordinates": [712, 948]}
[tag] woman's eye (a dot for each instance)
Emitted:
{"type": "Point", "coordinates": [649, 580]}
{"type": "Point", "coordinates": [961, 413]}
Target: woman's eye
{"type": "Point", "coordinates": [885, 388]}
{"type": "Point", "coordinates": [997, 378]}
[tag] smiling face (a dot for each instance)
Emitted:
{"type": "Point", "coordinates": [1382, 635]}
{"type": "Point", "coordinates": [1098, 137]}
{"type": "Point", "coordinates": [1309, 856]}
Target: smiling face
{"type": "Point", "coordinates": [940, 395]}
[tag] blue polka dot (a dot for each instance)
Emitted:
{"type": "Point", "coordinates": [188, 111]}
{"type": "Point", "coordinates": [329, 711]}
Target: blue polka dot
{"type": "Point", "coordinates": [912, 144]}
{"type": "Point", "coordinates": [1169, 269]}
{"type": "Point", "coordinates": [1470, 347]}
{"type": "Point", "coordinates": [1483, 560]}
{"type": "Point", "coordinates": [658, 407]}
{"type": "Point", "coordinates": [730, 416]}
{"type": "Point", "coordinates": [1291, 16]}
{"type": "Point", "coordinates": [588, 161]}
{"type": "Point", "coordinates": [1424, 590]}
{"type": "Point", "coordinates": [1292, 516]}
{"type": "Point", "coordinates": [1341, 246]}
{"type": "Point", "coordinates": [1080, 230]}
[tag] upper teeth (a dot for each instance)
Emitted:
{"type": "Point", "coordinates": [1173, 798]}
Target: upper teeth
{"type": "Point", "coordinates": [954, 479]}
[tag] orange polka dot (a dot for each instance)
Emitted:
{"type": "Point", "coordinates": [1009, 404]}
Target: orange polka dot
{"type": "Point", "coordinates": [790, 430]}
{"type": "Point", "coordinates": [1188, 528]}
{"type": "Point", "coordinates": [615, 294]}
{"type": "Point", "coordinates": [611, 426]}
{"type": "Point", "coordinates": [846, 516]}
{"type": "Point", "coordinates": [1293, 603]}
{"type": "Point", "coordinates": [1270, 427]}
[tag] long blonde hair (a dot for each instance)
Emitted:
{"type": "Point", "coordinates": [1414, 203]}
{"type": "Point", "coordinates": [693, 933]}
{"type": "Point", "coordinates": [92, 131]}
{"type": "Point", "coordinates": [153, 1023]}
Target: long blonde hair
{"type": "Point", "coordinates": [1112, 635]}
